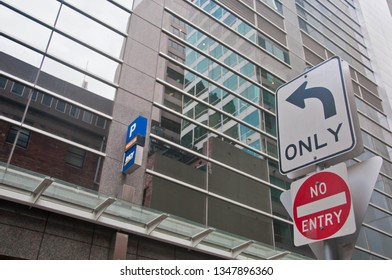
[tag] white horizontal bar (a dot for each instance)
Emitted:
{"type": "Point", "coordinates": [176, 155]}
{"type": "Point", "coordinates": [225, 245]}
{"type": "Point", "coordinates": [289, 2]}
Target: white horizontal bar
{"type": "Point", "coordinates": [321, 204]}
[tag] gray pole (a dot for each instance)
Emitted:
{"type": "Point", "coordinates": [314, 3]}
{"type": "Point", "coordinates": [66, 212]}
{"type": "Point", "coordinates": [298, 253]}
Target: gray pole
{"type": "Point", "coordinates": [328, 249]}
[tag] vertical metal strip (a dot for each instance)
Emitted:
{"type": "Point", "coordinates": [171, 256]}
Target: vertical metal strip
{"type": "Point", "coordinates": [34, 86]}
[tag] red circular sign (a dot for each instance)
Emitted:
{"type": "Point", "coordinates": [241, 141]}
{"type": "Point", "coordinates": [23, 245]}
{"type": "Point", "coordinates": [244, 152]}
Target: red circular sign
{"type": "Point", "coordinates": [321, 205]}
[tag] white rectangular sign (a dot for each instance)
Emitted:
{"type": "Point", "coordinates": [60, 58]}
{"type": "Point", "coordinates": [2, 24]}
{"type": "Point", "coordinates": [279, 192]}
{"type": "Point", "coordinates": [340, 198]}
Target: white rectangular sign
{"type": "Point", "coordinates": [314, 119]}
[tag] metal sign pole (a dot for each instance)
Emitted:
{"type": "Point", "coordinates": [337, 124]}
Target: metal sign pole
{"type": "Point", "coordinates": [327, 246]}
{"type": "Point", "coordinates": [328, 250]}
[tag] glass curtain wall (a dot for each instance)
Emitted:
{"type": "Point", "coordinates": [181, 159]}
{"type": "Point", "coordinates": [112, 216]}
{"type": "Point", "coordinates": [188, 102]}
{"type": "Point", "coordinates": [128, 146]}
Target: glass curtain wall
{"type": "Point", "coordinates": [334, 29]}
{"type": "Point", "coordinates": [59, 71]}
{"type": "Point", "coordinates": [219, 148]}
{"type": "Point", "coordinates": [218, 119]}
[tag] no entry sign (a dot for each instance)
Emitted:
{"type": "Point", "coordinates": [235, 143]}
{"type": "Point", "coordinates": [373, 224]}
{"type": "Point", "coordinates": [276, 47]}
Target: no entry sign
{"type": "Point", "coordinates": [322, 206]}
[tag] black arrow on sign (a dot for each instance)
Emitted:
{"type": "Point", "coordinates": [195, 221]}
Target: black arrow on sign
{"type": "Point", "coordinates": [298, 97]}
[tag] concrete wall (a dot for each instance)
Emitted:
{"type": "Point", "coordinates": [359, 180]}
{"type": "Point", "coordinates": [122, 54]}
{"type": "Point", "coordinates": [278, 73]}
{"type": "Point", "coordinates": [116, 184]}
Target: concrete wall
{"type": "Point", "coordinates": [29, 233]}
{"type": "Point", "coordinates": [134, 98]}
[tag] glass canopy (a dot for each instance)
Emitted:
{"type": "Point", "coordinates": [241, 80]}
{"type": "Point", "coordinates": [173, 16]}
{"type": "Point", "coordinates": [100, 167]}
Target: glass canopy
{"type": "Point", "coordinates": [36, 190]}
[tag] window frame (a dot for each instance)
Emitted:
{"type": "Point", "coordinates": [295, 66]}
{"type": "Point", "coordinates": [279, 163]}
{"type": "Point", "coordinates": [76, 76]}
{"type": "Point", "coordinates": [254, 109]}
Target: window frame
{"type": "Point", "coordinates": [75, 157]}
{"type": "Point", "coordinates": [21, 142]}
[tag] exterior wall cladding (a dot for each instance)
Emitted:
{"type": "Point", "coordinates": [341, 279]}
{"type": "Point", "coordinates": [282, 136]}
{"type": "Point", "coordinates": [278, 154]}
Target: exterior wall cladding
{"type": "Point", "coordinates": [204, 73]}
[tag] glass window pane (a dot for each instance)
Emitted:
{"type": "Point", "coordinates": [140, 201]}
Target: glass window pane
{"type": "Point", "coordinates": [3, 82]}
{"type": "Point", "coordinates": [61, 106]}
{"type": "Point", "coordinates": [87, 117]}
{"type": "Point", "coordinates": [82, 57]}
{"type": "Point", "coordinates": [17, 88]}
{"type": "Point", "coordinates": [23, 139]}
{"type": "Point", "coordinates": [77, 78]}
{"type": "Point", "coordinates": [106, 12]}
{"type": "Point", "coordinates": [232, 82]}
{"type": "Point", "coordinates": [380, 244]}
{"type": "Point", "coordinates": [45, 10]}
{"type": "Point", "coordinates": [90, 32]}
{"type": "Point", "coordinates": [101, 122]}
{"type": "Point", "coordinates": [22, 53]}
{"type": "Point", "coordinates": [47, 100]}
{"type": "Point", "coordinates": [270, 124]}
{"type": "Point", "coordinates": [34, 95]}
{"type": "Point", "coordinates": [74, 112]}
{"type": "Point", "coordinates": [75, 156]}
{"type": "Point", "coordinates": [25, 30]}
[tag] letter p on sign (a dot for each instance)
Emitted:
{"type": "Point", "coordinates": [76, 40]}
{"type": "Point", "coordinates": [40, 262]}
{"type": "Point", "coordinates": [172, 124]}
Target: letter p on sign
{"type": "Point", "coordinates": [131, 130]}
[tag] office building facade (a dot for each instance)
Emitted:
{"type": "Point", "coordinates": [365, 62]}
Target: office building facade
{"type": "Point", "coordinates": [75, 74]}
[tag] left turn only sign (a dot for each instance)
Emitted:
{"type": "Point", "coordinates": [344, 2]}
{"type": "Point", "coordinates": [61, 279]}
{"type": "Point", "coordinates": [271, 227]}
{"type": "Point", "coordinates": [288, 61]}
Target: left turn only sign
{"type": "Point", "coordinates": [317, 121]}
{"type": "Point", "coordinates": [322, 206]}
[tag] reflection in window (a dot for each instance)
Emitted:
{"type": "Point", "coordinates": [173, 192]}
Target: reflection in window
{"type": "Point", "coordinates": [74, 112]}
{"type": "Point", "coordinates": [102, 38]}
{"type": "Point", "coordinates": [24, 28]}
{"type": "Point", "coordinates": [254, 120]}
{"type": "Point", "coordinates": [270, 124]}
{"type": "Point", "coordinates": [23, 139]}
{"type": "Point", "coordinates": [272, 149]}
{"type": "Point", "coordinates": [231, 83]}
{"type": "Point", "coordinates": [176, 46]}
{"type": "Point", "coordinates": [107, 12]}
{"type": "Point", "coordinates": [61, 106]}
{"type": "Point", "coordinates": [269, 101]}
{"type": "Point", "coordinates": [87, 117]}
{"type": "Point", "coordinates": [45, 10]}
{"type": "Point", "coordinates": [78, 78]}
{"type": "Point", "coordinates": [86, 59]}
{"type": "Point", "coordinates": [3, 82]}
{"type": "Point", "coordinates": [17, 88]}
{"type": "Point", "coordinates": [269, 81]}
{"type": "Point", "coordinates": [276, 5]}
{"type": "Point", "coordinates": [100, 122]}
{"type": "Point", "coordinates": [75, 156]}
{"type": "Point", "coordinates": [73, 23]}
{"type": "Point", "coordinates": [34, 95]}
{"type": "Point", "coordinates": [273, 48]}
{"type": "Point", "coordinates": [232, 132]}
{"type": "Point", "coordinates": [178, 77]}
{"type": "Point", "coordinates": [186, 140]}
{"type": "Point", "coordinates": [47, 100]}
{"type": "Point", "coordinates": [244, 29]}
{"type": "Point", "coordinates": [256, 145]}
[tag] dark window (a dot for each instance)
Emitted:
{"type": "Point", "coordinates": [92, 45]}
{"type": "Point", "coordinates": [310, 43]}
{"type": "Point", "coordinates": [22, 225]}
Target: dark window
{"type": "Point", "coordinates": [75, 156]}
{"type": "Point", "coordinates": [87, 117]}
{"type": "Point", "coordinates": [100, 122]}
{"type": "Point", "coordinates": [23, 139]}
{"type": "Point", "coordinates": [186, 140]}
{"type": "Point", "coordinates": [171, 125]}
{"type": "Point", "coordinates": [34, 95]}
{"type": "Point", "coordinates": [17, 88]}
{"type": "Point", "coordinates": [3, 82]}
{"type": "Point", "coordinates": [270, 124]}
{"type": "Point", "coordinates": [178, 77]}
{"type": "Point", "coordinates": [74, 112]}
{"type": "Point", "coordinates": [61, 106]}
{"type": "Point", "coordinates": [177, 46]}
{"type": "Point", "coordinates": [47, 100]}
